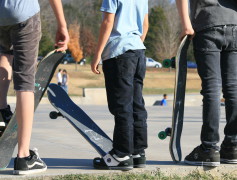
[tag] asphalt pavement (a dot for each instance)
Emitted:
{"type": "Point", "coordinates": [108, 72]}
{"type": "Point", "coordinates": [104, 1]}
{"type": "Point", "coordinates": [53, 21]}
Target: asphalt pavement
{"type": "Point", "coordinates": [65, 151]}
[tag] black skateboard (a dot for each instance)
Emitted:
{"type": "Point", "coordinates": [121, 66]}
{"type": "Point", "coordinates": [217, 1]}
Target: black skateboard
{"type": "Point", "coordinates": [179, 98]}
{"type": "Point", "coordinates": [78, 119]}
{"type": "Point", "coordinates": [44, 74]}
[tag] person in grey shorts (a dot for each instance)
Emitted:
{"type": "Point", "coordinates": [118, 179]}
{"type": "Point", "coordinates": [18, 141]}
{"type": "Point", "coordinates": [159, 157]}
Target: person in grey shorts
{"type": "Point", "coordinates": [213, 27]}
{"type": "Point", "coordinates": [20, 32]}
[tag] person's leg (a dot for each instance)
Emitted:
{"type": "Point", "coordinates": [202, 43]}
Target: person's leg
{"type": "Point", "coordinates": [119, 74]}
{"type": "Point", "coordinates": [5, 75]}
{"type": "Point", "coordinates": [5, 78]}
{"type": "Point", "coordinates": [24, 113]}
{"type": "Point", "coordinates": [139, 114]}
{"type": "Point", "coordinates": [25, 38]}
{"type": "Point", "coordinates": [207, 47]}
{"type": "Point", "coordinates": [229, 80]}
{"type": "Point", "coordinates": [229, 76]}
{"type": "Point", "coordinates": [139, 111]}
{"type": "Point", "coordinates": [209, 72]}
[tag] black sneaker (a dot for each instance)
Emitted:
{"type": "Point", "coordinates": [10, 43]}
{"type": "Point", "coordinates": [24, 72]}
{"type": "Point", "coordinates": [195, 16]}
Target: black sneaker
{"type": "Point", "coordinates": [29, 165]}
{"type": "Point", "coordinates": [113, 162]}
{"type": "Point", "coordinates": [228, 154]}
{"type": "Point", "coordinates": [139, 160]}
{"type": "Point", "coordinates": [203, 157]}
{"type": "Point", "coordinates": [5, 117]}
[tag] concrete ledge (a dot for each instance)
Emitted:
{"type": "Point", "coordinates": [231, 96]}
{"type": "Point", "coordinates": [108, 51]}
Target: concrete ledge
{"type": "Point", "coordinates": [97, 96]}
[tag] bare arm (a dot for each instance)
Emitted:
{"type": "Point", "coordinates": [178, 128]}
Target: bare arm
{"type": "Point", "coordinates": [62, 36]}
{"type": "Point", "coordinates": [145, 27]}
{"type": "Point", "coordinates": [105, 31]}
{"type": "Point", "coordinates": [187, 28]}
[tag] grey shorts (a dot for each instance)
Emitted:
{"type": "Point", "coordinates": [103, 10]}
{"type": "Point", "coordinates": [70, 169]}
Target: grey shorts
{"type": "Point", "coordinates": [22, 41]}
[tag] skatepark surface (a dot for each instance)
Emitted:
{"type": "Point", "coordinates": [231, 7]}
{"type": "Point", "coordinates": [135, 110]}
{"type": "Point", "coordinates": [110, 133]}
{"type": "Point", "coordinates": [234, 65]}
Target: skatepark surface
{"type": "Point", "coordinates": [65, 151]}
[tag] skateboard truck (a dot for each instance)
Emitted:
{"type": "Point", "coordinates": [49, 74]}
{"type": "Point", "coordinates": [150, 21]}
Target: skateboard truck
{"type": "Point", "coordinates": [55, 115]}
{"type": "Point", "coordinates": [163, 134]}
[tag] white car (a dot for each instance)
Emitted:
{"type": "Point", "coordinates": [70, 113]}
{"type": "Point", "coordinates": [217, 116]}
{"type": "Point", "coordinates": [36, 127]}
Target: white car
{"type": "Point", "coordinates": [152, 63]}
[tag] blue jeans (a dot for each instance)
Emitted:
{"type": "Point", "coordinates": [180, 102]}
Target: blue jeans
{"type": "Point", "coordinates": [124, 76]}
{"type": "Point", "coordinates": [65, 87]}
{"type": "Point", "coordinates": [215, 51]}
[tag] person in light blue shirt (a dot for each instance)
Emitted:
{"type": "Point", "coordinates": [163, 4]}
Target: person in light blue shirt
{"type": "Point", "coordinates": [123, 30]}
{"type": "Point", "coordinates": [13, 12]}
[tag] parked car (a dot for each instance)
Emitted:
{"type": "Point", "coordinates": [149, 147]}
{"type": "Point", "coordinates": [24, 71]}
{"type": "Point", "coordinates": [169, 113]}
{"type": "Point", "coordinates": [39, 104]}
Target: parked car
{"type": "Point", "coordinates": [68, 59]}
{"type": "Point", "coordinates": [152, 63]}
{"type": "Point", "coordinates": [82, 61]}
{"type": "Point", "coordinates": [40, 58]}
{"type": "Point", "coordinates": [191, 64]}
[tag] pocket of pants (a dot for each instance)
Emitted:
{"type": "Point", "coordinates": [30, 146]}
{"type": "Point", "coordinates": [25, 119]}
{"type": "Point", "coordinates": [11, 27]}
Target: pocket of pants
{"type": "Point", "coordinates": [25, 26]}
{"type": "Point", "coordinates": [125, 67]}
{"type": "Point", "coordinates": [205, 40]}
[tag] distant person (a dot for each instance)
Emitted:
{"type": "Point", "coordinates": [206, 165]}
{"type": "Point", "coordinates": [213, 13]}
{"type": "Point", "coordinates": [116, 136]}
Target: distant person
{"type": "Point", "coordinates": [59, 77]}
{"type": "Point", "coordinates": [20, 32]}
{"type": "Point", "coordinates": [164, 100]}
{"type": "Point", "coordinates": [65, 80]}
{"type": "Point", "coordinates": [213, 27]}
{"type": "Point", "coordinates": [120, 46]}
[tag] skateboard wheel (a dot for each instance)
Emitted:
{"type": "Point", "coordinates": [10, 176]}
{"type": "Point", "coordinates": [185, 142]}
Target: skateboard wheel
{"type": "Point", "coordinates": [173, 62]}
{"type": "Point", "coordinates": [162, 135]}
{"type": "Point", "coordinates": [168, 131]}
{"type": "Point", "coordinates": [53, 115]}
{"type": "Point", "coordinates": [166, 63]}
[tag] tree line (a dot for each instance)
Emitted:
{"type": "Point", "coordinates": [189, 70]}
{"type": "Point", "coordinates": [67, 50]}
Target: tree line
{"type": "Point", "coordinates": [84, 17]}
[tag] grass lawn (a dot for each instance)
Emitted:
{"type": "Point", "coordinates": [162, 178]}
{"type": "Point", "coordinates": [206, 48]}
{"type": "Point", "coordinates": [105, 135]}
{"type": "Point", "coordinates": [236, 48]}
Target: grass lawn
{"type": "Point", "coordinates": [155, 175]}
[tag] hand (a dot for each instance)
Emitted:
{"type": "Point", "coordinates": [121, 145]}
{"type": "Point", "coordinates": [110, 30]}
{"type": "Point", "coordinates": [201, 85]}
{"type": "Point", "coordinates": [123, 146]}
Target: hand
{"type": "Point", "coordinates": [187, 31]}
{"type": "Point", "coordinates": [95, 64]}
{"type": "Point", "coordinates": [62, 39]}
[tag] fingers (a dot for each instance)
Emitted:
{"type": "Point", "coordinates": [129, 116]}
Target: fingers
{"type": "Point", "coordinates": [62, 39]}
{"type": "Point", "coordinates": [61, 46]}
{"type": "Point", "coordinates": [95, 69]}
{"type": "Point", "coordinates": [189, 32]}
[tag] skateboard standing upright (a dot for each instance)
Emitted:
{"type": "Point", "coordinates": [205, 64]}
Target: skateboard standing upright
{"type": "Point", "coordinates": [79, 119]}
{"type": "Point", "coordinates": [44, 74]}
{"type": "Point", "coordinates": [179, 98]}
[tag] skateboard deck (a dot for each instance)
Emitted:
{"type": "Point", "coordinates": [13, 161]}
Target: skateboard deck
{"type": "Point", "coordinates": [179, 98]}
{"type": "Point", "coordinates": [78, 119]}
{"type": "Point", "coordinates": [43, 76]}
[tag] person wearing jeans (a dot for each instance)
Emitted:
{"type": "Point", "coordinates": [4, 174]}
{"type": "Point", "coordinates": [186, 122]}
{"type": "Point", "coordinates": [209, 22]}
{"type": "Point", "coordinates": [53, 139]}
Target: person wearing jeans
{"type": "Point", "coordinates": [213, 27]}
{"type": "Point", "coordinates": [120, 46]}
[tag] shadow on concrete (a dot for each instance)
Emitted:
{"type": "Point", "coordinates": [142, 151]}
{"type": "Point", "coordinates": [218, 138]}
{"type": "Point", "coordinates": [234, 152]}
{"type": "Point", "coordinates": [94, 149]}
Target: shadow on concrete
{"type": "Point", "coordinates": [6, 172]}
{"type": "Point", "coordinates": [165, 163]}
{"type": "Point", "coordinates": [57, 163]}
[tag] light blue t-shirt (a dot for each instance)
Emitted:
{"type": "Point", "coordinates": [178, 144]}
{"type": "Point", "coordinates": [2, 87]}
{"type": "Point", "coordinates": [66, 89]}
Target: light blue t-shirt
{"type": "Point", "coordinates": [16, 11]}
{"type": "Point", "coordinates": [128, 26]}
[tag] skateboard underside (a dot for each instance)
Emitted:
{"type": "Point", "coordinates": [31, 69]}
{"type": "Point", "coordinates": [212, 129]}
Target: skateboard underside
{"type": "Point", "coordinates": [79, 119]}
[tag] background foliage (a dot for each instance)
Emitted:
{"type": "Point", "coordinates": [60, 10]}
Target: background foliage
{"type": "Point", "coordinates": [161, 42]}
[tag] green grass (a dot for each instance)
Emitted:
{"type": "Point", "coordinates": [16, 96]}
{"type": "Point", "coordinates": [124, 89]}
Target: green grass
{"type": "Point", "coordinates": [152, 91]}
{"type": "Point", "coordinates": [155, 175]}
